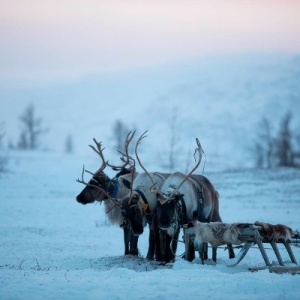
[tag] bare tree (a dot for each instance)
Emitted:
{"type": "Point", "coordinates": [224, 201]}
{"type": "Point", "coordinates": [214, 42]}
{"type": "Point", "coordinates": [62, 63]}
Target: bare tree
{"type": "Point", "coordinates": [259, 155]}
{"type": "Point", "coordinates": [297, 151]}
{"type": "Point", "coordinates": [3, 158]}
{"type": "Point", "coordinates": [69, 146]}
{"type": "Point", "coordinates": [264, 145]}
{"type": "Point", "coordinates": [3, 163]}
{"type": "Point", "coordinates": [284, 147]}
{"type": "Point", "coordinates": [32, 129]}
{"type": "Point", "coordinates": [173, 139]}
{"type": "Point", "coordinates": [2, 134]}
{"type": "Point", "coordinates": [120, 131]}
{"type": "Point", "coordinates": [280, 150]}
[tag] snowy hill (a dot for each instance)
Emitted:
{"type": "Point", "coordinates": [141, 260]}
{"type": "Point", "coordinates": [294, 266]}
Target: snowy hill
{"type": "Point", "coordinates": [220, 100]}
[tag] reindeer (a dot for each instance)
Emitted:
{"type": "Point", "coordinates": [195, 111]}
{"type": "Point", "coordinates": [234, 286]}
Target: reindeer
{"type": "Point", "coordinates": [181, 199]}
{"type": "Point", "coordinates": [139, 206]}
{"type": "Point", "coordinates": [217, 234]}
{"type": "Point", "coordinates": [275, 232]}
{"type": "Point", "coordinates": [101, 188]}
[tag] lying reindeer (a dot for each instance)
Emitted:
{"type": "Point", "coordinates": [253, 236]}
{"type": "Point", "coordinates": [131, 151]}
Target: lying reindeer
{"type": "Point", "coordinates": [180, 200]}
{"type": "Point", "coordinates": [275, 232]}
{"type": "Point", "coordinates": [101, 188]}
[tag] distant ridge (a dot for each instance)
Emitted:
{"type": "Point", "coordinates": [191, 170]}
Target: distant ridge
{"type": "Point", "coordinates": [219, 100]}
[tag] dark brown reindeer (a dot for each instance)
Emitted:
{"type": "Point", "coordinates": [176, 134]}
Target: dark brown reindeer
{"type": "Point", "coordinates": [184, 198]}
{"type": "Point", "coordinates": [139, 207]}
{"type": "Point", "coordinates": [101, 188]}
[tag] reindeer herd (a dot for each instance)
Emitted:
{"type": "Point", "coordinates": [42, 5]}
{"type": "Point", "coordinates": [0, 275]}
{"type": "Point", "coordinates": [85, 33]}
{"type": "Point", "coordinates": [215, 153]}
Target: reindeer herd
{"type": "Point", "coordinates": [165, 202]}
{"type": "Point", "coordinates": [162, 201]}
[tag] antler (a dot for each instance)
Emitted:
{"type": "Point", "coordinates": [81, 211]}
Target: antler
{"type": "Point", "coordinates": [200, 152]}
{"type": "Point", "coordinates": [126, 158]}
{"type": "Point", "coordinates": [99, 151]}
{"type": "Point", "coordinates": [132, 169]}
{"type": "Point", "coordinates": [114, 200]}
{"type": "Point", "coordinates": [153, 188]}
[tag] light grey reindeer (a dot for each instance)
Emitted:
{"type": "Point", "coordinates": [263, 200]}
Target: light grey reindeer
{"type": "Point", "coordinates": [216, 234]}
{"type": "Point", "coordinates": [139, 207]}
{"type": "Point", "coordinates": [184, 198]}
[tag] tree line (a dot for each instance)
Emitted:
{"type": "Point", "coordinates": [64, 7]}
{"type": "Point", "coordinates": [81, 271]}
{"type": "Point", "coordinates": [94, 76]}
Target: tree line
{"type": "Point", "coordinates": [271, 149]}
{"type": "Point", "coordinates": [33, 130]}
{"type": "Point", "coordinates": [277, 149]}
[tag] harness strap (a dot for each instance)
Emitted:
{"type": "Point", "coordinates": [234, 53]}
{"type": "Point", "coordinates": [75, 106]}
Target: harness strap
{"type": "Point", "coordinates": [182, 212]}
{"type": "Point", "coordinates": [113, 187]}
{"type": "Point", "coordinates": [200, 212]}
{"type": "Point", "coordinates": [143, 202]}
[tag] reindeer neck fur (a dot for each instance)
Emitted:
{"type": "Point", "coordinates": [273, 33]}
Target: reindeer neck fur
{"type": "Point", "coordinates": [120, 191]}
{"type": "Point", "coordinates": [209, 198]}
{"type": "Point", "coordinates": [142, 184]}
{"type": "Point", "coordinates": [186, 189]}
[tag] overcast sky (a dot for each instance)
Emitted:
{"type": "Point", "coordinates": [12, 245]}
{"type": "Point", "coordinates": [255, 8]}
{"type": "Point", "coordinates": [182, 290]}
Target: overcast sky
{"type": "Point", "coordinates": [66, 39]}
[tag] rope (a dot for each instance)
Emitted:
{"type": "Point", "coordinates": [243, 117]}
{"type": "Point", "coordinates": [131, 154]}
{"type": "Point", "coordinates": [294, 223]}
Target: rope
{"type": "Point", "coordinates": [175, 228]}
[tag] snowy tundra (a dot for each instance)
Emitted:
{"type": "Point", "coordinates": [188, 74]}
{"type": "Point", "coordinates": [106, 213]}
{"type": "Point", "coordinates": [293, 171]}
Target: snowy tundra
{"type": "Point", "coordinates": [55, 248]}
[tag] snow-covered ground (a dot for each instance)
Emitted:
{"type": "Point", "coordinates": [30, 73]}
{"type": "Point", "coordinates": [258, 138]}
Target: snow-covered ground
{"type": "Point", "coordinates": [52, 247]}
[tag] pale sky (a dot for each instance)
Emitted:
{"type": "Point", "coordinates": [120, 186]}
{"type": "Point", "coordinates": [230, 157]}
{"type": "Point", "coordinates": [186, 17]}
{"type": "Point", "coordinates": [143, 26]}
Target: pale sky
{"type": "Point", "coordinates": [65, 39]}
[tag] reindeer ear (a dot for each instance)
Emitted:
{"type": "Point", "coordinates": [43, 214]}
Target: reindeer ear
{"type": "Point", "coordinates": [145, 207]}
{"type": "Point", "coordinates": [195, 215]}
{"type": "Point", "coordinates": [127, 183]}
{"type": "Point", "coordinates": [126, 180]}
{"type": "Point", "coordinates": [178, 196]}
{"type": "Point", "coordinates": [158, 196]}
{"type": "Point", "coordinates": [190, 224]}
{"type": "Point", "coordinates": [135, 198]}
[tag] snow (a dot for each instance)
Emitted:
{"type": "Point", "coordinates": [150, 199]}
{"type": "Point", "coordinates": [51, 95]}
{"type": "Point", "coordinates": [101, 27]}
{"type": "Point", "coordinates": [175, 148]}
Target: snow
{"type": "Point", "coordinates": [52, 247]}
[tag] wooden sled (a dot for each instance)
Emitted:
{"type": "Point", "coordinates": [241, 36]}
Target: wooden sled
{"type": "Point", "coordinates": [250, 235]}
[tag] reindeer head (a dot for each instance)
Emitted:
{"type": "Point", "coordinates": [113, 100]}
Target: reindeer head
{"type": "Point", "coordinates": [168, 208]}
{"type": "Point", "coordinates": [133, 210]}
{"type": "Point", "coordinates": [101, 187]}
{"type": "Point", "coordinates": [94, 189]}
{"type": "Point", "coordinates": [168, 205]}
{"type": "Point", "coordinates": [100, 181]}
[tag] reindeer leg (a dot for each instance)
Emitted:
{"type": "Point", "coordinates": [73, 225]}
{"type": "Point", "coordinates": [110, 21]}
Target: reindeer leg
{"type": "Point", "coordinates": [204, 251]}
{"type": "Point", "coordinates": [189, 248]}
{"type": "Point", "coordinates": [162, 245]}
{"type": "Point", "coordinates": [151, 248]}
{"type": "Point", "coordinates": [169, 253]}
{"type": "Point", "coordinates": [159, 253]}
{"type": "Point", "coordinates": [126, 231]}
{"type": "Point", "coordinates": [133, 250]}
{"type": "Point", "coordinates": [201, 252]}
{"type": "Point", "coordinates": [230, 251]}
{"type": "Point", "coordinates": [214, 254]}
{"type": "Point", "coordinates": [167, 246]}
{"type": "Point", "coordinates": [174, 243]}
